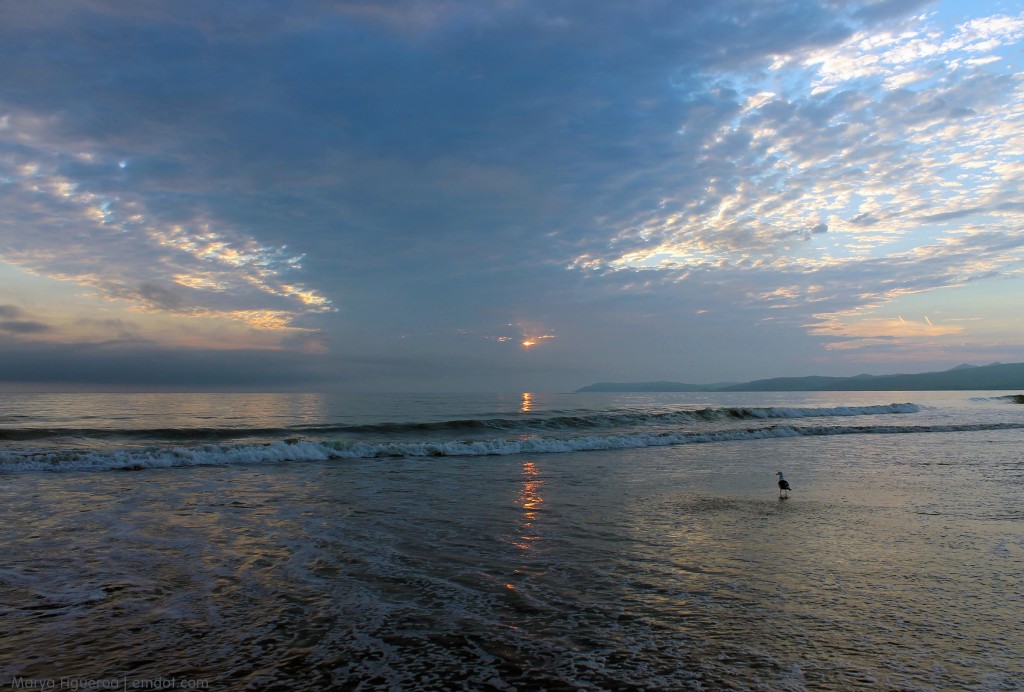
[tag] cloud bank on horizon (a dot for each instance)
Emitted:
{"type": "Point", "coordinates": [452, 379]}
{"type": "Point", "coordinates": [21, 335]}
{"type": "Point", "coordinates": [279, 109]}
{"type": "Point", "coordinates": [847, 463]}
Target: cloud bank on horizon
{"type": "Point", "coordinates": [510, 194]}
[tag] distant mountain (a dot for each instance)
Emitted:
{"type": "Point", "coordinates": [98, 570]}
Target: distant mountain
{"type": "Point", "coordinates": [962, 377]}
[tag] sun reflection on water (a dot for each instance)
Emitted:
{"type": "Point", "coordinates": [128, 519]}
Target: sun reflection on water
{"type": "Point", "coordinates": [530, 501]}
{"type": "Point", "coordinates": [527, 403]}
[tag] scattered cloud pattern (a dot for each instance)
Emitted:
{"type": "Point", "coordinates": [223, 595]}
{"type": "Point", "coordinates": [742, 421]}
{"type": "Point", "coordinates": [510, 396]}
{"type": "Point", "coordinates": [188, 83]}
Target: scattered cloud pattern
{"type": "Point", "coordinates": [514, 191]}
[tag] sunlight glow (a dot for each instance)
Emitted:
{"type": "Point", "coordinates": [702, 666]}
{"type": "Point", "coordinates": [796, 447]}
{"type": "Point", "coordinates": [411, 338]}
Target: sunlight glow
{"type": "Point", "coordinates": [889, 155]}
{"type": "Point", "coordinates": [199, 269]}
{"type": "Point", "coordinates": [530, 501]}
{"type": "Point", "coordinates": [526, 405]}
{"type": "Point", "coordinates": [531, 341]}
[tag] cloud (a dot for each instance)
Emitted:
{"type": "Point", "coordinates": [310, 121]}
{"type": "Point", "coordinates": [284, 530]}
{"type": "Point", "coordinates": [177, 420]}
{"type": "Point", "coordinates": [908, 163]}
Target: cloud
{"type": "Point", "coordinates": [10, 312]}
{"type": "Point", "coordinates": [24, 327]}
{"type": "Point", "coordinates": [13, 320]}
{"type": "Point", "coordinates": [879, 166]}
{"type": "Point", "coordinates": [115, 246]}
{"type": "Point", "coordinates": [343, 173]}
{"type": "Point", "coordinates": [148, 365]}
{"type": "Point", "coordinates": [888, 328]}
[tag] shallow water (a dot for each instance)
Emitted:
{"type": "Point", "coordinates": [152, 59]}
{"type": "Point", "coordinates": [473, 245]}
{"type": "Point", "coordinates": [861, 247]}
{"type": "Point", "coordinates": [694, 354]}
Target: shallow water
{"type": "Point", "coordinates": [898, 563]}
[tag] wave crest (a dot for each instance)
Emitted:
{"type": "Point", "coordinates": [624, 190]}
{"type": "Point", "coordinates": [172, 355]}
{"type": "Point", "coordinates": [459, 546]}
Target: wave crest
{"type": "Point", "coordinates": [558, 422]}
{"type": "Point", "coordinates": [305, 450]}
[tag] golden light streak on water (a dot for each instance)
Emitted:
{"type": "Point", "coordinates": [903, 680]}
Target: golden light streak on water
{"type": "Point", "coordinates": [527, 403]}
{"type": "Point", "coordinates": [529, 501]}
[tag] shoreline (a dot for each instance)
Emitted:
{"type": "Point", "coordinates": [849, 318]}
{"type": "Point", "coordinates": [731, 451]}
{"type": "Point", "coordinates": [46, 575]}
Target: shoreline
{"type": "Point", "coordinates": [528, 569]}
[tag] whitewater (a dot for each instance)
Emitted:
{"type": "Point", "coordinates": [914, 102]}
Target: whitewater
{"type": "Point", "coordinates": [572, 541]}
{"type": "Point", "coordinates": [125, 443]}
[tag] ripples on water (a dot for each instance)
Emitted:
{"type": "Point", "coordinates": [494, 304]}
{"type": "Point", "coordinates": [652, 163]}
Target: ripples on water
{"type": "Point", "coordinates": [897, 563]}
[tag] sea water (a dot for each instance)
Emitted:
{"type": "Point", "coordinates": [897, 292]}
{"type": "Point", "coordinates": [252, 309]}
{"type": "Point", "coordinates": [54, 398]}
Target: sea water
{"type": "Point", "coordinates": [528, 541]}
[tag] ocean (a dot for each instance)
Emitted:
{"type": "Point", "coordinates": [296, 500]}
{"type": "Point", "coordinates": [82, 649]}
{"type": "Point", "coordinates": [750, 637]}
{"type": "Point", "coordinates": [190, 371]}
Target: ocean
{"type": "Point", "coordinates": [519, 542]}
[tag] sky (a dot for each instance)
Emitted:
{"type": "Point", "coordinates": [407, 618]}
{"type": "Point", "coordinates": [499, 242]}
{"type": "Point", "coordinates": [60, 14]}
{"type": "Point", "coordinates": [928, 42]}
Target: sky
{"type": "Point", "coordinates": [506, 195]}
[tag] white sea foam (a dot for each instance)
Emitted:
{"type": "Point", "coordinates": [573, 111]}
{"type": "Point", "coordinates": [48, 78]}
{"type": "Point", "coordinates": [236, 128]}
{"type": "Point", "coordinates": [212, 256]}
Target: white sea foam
{"type": "Point", "coordinates": [659, 568]}
{"type": "Point", "coordinates": [556, 420]}
{"type": "Point", "coordinates": [804, 412]}
{"type": "Point", "coordinates": [306, 450]}
{"type": "Point", "coordinates": [158, 457]}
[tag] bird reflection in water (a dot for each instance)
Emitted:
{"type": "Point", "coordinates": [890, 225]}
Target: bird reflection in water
{"type": "Point", "coordinates": [530, 501]}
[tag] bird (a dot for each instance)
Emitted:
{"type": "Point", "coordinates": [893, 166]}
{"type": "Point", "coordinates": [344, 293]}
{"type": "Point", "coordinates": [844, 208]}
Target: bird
{"type": "Point", "coordinates": [783, 486]}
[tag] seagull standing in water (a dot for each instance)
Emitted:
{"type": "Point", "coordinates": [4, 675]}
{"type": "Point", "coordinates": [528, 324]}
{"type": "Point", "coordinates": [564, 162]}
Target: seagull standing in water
{"type": "Point", "coordinates": [783, 486]}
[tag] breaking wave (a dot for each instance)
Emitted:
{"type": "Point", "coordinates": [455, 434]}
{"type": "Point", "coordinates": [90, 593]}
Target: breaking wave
{"type": "Point", "coordinates": [1012, 398]}
{"type": "Point", "coordinates": [558, 421]}
{"type": "Point", "coordinates": [307, 450]}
